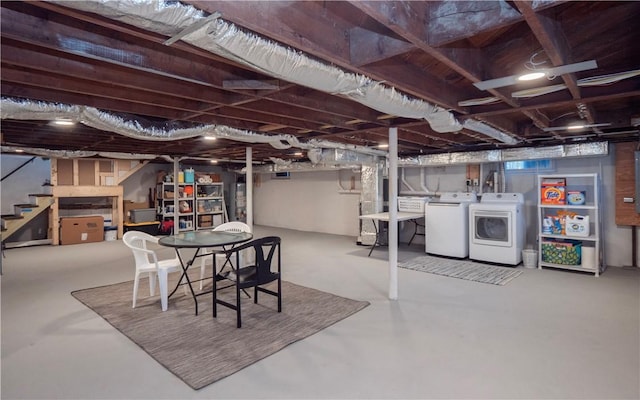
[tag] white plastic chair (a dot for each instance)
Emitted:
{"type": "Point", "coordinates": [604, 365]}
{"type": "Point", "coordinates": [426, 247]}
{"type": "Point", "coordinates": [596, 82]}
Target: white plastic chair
{"type": "Point", "coordinates": [147, 262]}
{"type": "Point", "coordinates": [233, 226]}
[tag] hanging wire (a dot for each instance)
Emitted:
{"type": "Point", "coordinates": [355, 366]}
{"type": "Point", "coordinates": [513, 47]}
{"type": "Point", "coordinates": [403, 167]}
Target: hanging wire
{"type": "Point", "coordinates": [532, 64]}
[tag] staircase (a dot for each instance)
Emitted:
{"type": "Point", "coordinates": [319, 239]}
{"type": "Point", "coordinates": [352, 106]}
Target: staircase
{"type": "Point", "coordinates": [23, 213]}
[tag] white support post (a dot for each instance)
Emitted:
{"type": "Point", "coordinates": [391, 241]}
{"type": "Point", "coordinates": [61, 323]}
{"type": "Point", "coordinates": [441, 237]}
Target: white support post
{"type": "Point", "coordinates": [393, 213]}
{"type": "Point", "coordinates": [176, 195]}
{"type": "Point", "coordinates": [249, 184]}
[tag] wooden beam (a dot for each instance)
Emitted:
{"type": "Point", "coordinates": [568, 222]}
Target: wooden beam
{"type": "Point", "coordinates": [367, 47]}
{"type": "Point", "coordinates": [554, 43]}
{"type": "Point", "coordinates": [449, 21]}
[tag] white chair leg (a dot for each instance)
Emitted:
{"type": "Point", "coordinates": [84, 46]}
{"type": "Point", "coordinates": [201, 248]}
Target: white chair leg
{"type": "Point", "coordinates": [203, 266]}
{"type": "Point", "coordinates": [136, 280]}
{"type": "Point", "coordinates": [185, 286]}
{"type": "Point", "coordinates": [162, 277]}
{"type": "Point", "coordinates": [152, 283]}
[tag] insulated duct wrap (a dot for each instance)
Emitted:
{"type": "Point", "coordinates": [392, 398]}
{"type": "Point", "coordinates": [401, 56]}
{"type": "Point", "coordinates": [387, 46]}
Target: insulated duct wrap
{"type": "Point", "coordinates": [273, 59]}
{"type": "Point", "coordinates": [34, 110]}
{"type": "Point", "coordinates": [38, 110]}
{"type": "Point", "coordinates": [490, 156]}
{"type": "Point", "coordinates": [277, 61]}
{"type": "Point", "coordinates": [302, 167]}
{"type": "Point", "coordinates": [340, 156]}
{"type": "Point", "coordinates": [76, 154]}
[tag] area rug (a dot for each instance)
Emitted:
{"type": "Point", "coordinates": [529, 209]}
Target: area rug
{"type": "Point", "coordinates": [462, 269]}
{"type": "Point", "coordinates": [200, 349]}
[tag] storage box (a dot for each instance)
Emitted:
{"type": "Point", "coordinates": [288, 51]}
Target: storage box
{"type": "Point", "coordinates": [564, 252]}
{"type": "Point", "coordinates": [552, 191]}
{"type": "Point", "coordinates": [75, 230]}
{"type": "Point", "coordinates": [152, 228]}
{"type": "Point", "coordinates": [129, 205]}
{"type": "Point", "coordinates": [143, 215]}
{"type": "Point", "coordinates": [412, 204]}
{"type": "Point", "coordinates": [110, 233]}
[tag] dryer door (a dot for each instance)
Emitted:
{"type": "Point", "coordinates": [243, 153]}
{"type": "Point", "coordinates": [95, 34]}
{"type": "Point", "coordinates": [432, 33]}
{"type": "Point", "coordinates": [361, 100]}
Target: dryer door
{"type": "Point", "coordinates": [492, 228]}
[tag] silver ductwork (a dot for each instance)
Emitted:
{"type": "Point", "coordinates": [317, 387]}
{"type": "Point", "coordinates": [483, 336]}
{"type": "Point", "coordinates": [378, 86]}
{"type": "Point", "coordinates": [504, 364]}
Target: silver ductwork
{"type": "Point", "coordinates": [37, 110]}
{"type": "Point", "coordinates": [490, 156]}
{"type": "Point", "coordinates": [227, 40]}
{"type": "Point", "coordinates": [76, 154]}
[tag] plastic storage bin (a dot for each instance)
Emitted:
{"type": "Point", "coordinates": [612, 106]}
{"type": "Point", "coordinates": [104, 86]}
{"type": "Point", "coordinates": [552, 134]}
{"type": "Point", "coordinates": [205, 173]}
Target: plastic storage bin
{"type": "Point", "coordinates": [143, 215]}
{"type": "Point", "coordinates": [564, 252]}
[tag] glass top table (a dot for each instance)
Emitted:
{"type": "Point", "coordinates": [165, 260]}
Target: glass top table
{"type": "Point", "coordinates": [199, 240]}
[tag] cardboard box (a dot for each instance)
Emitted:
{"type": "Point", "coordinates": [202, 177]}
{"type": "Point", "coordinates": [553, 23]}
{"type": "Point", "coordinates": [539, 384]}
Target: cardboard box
{"type": "Point", "coordinates": [553, 191]}
{"type": "Point", "coordinates": [129, 205]}
{"type": "Point", "coordinates": [75, 230]}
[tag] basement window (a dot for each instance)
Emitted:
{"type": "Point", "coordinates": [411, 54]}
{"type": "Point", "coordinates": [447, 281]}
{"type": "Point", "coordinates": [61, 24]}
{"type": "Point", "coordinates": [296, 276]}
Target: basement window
{"type": "Point", "coordinates": [529, 165]}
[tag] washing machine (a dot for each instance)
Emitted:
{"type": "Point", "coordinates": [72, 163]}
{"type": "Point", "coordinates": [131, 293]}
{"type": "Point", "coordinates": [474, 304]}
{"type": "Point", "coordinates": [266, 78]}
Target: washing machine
{"type": "Point", "coordinates": [497, 228]}
{"type": "Point", "coordinates": [447, 224]}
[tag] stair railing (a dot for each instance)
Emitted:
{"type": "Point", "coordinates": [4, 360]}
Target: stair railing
{"type": "Point", "coordinates": [17, 168]}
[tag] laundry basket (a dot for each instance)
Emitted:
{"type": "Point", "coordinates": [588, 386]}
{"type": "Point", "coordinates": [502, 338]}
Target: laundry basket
{"type": "Point", "coordinates": [530, 258]}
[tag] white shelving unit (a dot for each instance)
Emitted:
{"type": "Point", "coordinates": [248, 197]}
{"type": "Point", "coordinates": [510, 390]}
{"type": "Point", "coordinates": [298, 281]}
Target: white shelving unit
{"type": "Point", "coordinates": [210, 207]}
{"type": "Point", "coordinates": [589, 184]}
{"type": "Point", "coordinates": [167, 206]}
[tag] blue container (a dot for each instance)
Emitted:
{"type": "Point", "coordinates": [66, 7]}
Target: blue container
{"type": "Point", "coordinates": [188, 175]}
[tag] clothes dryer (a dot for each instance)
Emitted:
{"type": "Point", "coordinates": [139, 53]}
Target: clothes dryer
{"type": "Point", "coordinates": [447, 224]}
{"type": "Point", "coordinates": [497, 228]}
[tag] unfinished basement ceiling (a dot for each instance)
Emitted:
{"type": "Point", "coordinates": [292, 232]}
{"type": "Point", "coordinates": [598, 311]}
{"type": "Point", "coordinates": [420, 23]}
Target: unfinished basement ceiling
{"type": "Point", "coordinates": [430, 52]}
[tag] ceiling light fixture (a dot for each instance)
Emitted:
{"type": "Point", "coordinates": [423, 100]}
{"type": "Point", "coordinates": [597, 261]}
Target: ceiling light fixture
{"type": "Point", "coordinates": [575, 127]}
{"type": "Point", "coordinates": [532, 76]}
{"type": "Point", "coordinates": [213, 161]}
{"type": "Point", "coordinates": [383, 146]}
{"type": "Point", "coordinates": [210, 138]}
{"type": "Point", "coordinates": [63, 122]}
{"type": "Point", "coordinates": [555, 71]}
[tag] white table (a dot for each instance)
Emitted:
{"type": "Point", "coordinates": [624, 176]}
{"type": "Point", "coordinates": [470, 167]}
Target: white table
{"type": "Point", "coordinates": [402, 216]}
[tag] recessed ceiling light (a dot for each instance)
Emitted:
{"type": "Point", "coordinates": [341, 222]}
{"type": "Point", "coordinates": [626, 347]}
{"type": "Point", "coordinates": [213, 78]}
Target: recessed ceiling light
{"type": "Point", "coordinates": [576, 126]}
{"type": "Point", "coordinates": [63, 122]}
{"type": "Point", "coordinates": [213, 161]}
{"type": "Point", "coordinates": [383, 146]}
{"type": "Point", "coordinates": [210, 138]}
{"type": "Point", "coordinates": [19, 151]}
{"type": "Point", "coordinates": [297, 153]}
{"type": "Point", "coordinates": [532, 76]}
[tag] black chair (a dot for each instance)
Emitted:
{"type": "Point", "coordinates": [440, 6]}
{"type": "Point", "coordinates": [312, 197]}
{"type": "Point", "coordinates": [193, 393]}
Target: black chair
{"type": "Point", "coordinates": [251, 275]}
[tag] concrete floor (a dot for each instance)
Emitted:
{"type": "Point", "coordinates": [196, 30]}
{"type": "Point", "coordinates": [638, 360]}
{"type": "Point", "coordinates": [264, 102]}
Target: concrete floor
{"type": "Point", "coordinates": [547, 334]}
